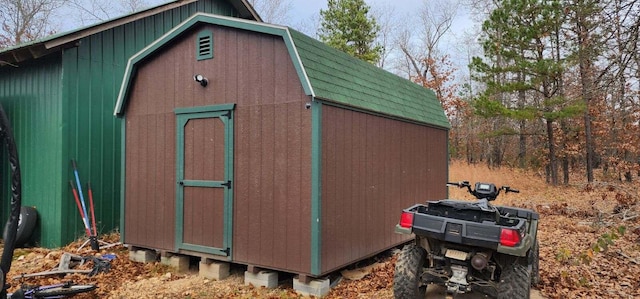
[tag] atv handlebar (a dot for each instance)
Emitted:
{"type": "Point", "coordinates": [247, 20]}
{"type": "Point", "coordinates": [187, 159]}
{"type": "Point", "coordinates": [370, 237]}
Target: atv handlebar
{"type": "Point", "coordinates": [461, 184]}
{"type": "Point", "coordinates": [488, 191]}
{"type": "Point", "coordinates": [509, 189]}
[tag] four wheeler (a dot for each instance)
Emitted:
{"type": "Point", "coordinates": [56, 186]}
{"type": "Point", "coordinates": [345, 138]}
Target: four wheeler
{"type": "Point", "coordinates": [468, 246]}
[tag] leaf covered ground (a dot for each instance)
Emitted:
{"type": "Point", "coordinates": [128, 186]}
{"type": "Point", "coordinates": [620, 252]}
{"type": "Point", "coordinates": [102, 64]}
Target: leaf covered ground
{"type": "Point", "coordinates": [589, 248]}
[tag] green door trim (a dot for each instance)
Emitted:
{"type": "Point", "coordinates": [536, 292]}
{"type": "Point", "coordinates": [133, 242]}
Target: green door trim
{"type": "Point", "coordinates": [316, 187]}
{"type": "Point", "coordinates": [225, 114]}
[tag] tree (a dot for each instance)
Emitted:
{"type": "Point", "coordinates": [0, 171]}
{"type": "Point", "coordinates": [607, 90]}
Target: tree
{"type": "Point", "coordinates": [273, 11]}
{"type": "Point", "coordinates": [388, 22]}
{"type": "Point", "coordinates": [583, 14]}
{"type": "Point", "coordinates": [92, 11]}
{"type": "Point", "coordinates": [522, 74]}
{"type": "Point", "coordinates": [347, 26]}
{"type": "Point", "coordinates": [427, 65]}
{"type": "Point", "coordinates": [26, 20]}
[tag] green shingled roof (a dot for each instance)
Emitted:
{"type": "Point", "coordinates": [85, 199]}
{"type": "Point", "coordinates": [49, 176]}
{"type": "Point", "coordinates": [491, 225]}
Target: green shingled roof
{"type": "Point", "coordinates": [338, 77]}
{"type": "Point", "coordinates": [324, 72]}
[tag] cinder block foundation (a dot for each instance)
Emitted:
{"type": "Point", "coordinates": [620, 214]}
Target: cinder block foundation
{"type": "Point", "coordinates": [213, 270]}
{"type": "Point", "coordinates": [179, 262]}
{"type": "Point", "coordinates": [265, 279]}
{"type": "Point", "coordinates": [316, 287]}
{"type": "Point", "coordinates": [143, 256]}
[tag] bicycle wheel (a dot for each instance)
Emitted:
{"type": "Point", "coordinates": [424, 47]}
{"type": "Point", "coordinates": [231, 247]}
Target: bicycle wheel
{"type": "Point", "coordinates": [65, 290]}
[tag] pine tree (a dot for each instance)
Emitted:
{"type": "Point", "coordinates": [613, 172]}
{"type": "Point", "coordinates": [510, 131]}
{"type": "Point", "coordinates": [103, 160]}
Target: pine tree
{"type": "Point", "coordinates": [521, 72]}
{"type": "Point", "coordinates": [348, 26]}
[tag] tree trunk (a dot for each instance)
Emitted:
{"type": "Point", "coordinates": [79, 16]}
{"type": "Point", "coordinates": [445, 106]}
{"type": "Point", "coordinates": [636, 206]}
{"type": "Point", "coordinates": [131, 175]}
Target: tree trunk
{"type": "Point", "coordinates": [565, 159]}
{"type": "Point", "coordinates": [553, 163]}
{"type": "Point", "coordinates": [522, 142]}
{"type": "Point", "coordinates": [585, 78]}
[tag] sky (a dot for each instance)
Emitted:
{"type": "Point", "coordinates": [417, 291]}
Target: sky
{"type": "Point", "coordinates": [305, 17]}
{"type": "Point", "coordinates": [305, 12]}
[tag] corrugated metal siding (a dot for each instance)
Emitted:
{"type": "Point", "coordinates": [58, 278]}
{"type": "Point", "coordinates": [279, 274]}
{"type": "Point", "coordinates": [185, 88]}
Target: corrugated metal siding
{"type": "Point", "coordinates": [31, 95]}
{"type": "Point", "coordinates": [372, 168]}
{"type": "Point", "coordinates": [92, 75]}
{"type": "Point", "coordinates": [271, 209]}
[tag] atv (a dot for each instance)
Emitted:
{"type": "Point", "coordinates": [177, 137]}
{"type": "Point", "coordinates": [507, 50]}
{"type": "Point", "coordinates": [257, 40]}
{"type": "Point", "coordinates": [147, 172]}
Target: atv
{"type": "Point", "coordinates": [468, 246]}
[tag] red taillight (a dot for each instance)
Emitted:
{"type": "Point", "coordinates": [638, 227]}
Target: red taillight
{"type": "Point", "coordinates": [406, 220]}
{"type": "Point", "coordinates": [509, 237]}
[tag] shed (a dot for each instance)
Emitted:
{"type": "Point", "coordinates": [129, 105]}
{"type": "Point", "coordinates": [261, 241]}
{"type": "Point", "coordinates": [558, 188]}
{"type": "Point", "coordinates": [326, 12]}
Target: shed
{"type": "Point", "coordinates": [59, 93]}
{"type": "Point", "coordinates": [293, 156]}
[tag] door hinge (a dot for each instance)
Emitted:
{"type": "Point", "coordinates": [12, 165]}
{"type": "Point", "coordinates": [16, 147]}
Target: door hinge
{"type": "Point", "coordinates": [228, 114]}
{"type": "Point", "coordinates": [227, 251]}
{"type": "Point", "coordinates": [227, 184]}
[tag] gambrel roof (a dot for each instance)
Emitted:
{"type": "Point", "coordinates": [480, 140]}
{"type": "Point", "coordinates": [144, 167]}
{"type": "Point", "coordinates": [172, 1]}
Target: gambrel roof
{"type": "Point", "coordinates": [325, 74]}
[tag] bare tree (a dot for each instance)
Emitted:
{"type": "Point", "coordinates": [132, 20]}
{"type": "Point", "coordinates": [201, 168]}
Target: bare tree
{"type": "Point", "coordinates": [436, 18]}
{"type": "Point", "coordinates": [273, 11]}
{"type": "Point", "coordinates": [26, 20]}
{"type": "Point", "coordinates": [92, 11]}
{"type": "Point", "coordinates": [310, 25]}
{"type": "Point", "coordinates": [389, 23]}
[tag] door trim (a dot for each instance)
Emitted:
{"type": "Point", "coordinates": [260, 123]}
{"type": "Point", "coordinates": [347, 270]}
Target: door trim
{"type": "Point", "coordinates": [225, 113]}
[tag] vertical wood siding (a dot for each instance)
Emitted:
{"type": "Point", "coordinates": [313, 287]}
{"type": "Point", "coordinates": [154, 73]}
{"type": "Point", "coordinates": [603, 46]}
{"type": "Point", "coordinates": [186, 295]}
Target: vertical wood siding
{"type": "Point", "coordinates": [372, 168]}
{"type": "Point", "coordinates": [272, 152]}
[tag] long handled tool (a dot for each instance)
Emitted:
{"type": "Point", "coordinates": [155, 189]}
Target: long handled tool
{"type": "Point", "coordinates": [85, 217]}
{"type": "Point", "coordinates": [93, 215]}
{"type": "Point", "coordinates": [92, 238]}
{"type": "Point", "coordinates": [75, 196]}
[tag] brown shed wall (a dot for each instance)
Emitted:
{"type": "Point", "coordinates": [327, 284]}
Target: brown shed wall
{"type": "Point", "coordinates": [272, 169]}
{"type": "Point", "coordinates": [372, 168]}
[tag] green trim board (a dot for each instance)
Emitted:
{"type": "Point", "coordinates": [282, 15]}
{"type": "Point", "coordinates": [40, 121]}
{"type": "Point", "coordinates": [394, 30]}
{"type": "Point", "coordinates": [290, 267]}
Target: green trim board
{"type": "Point", "coordinates": [204, 109]}
{"type": "Point", "coordinates": [316, 188]}
{"type": "Point", "coordinates": [123, 188]}
{"type": "Point", "coordinates": [225, 114]}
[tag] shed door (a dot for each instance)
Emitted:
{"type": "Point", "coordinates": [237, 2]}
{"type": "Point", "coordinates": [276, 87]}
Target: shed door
{"type": "Point", "coordinates": [204, 178]}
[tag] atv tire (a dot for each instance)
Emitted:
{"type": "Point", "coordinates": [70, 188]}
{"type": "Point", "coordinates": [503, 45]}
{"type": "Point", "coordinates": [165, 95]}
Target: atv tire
{"type": "Point", "coordinates": [515, 282]}
{"type": "Point", "coordinates": [407, 281]}
{"type": "Point", "coordinates": [535, 263]}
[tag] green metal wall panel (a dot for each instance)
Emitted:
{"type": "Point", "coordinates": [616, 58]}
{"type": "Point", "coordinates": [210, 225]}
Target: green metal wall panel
{"type": "Point", "coordinates": [93, 72]}
{"type": "Point", "coordinates": [31, 96]}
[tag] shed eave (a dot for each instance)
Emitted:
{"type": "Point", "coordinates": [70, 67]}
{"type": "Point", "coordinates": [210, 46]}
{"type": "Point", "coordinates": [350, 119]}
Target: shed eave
{"type": "Point", "coordinates": [198, 18]}
{"type": "Point", "coordinates": [57, 41]}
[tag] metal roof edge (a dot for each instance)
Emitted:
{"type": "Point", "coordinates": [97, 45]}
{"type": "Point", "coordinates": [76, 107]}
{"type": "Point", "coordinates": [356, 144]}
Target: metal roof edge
{"type": "Point", "coordinates": [60, 39]}
{"type": "Point", "coordinates": [209, 19]}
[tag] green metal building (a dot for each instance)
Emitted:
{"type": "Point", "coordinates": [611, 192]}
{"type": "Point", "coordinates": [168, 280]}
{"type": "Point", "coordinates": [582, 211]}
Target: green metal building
{"type": "Point", "coordinates": [59, 93]}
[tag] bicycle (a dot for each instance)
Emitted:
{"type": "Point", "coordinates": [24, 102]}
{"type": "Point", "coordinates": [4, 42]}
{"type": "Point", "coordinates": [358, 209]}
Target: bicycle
{"type": "Point", "coordinates": [55, 291]}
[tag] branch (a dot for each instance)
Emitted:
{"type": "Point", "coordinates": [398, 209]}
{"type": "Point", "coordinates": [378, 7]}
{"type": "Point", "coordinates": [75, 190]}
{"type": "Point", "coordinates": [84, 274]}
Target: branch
{"type": "Point", "coordinates": [629, 258]}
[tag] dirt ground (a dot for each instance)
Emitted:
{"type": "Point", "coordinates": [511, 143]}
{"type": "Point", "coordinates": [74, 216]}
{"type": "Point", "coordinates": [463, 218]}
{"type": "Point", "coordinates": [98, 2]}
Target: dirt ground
{"type": "Point", "coordinates": [589, 248]}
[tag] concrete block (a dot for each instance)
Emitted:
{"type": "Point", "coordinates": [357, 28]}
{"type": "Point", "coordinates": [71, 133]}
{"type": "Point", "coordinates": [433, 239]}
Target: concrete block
{"type": "Point", "coordinates": [179, 262]}
{"type": "Point", "coordinates": [316, 287]}
{"type": "Point", "coordinates": [142, 256]}
{"type": "Point", "coordinates": [265, 279]}
{"type": "Point", "coordinates": [213, 270]}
